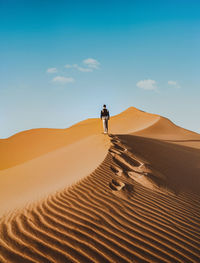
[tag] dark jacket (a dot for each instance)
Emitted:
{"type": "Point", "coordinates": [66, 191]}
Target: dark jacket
{"type": "Point", "coordinates": [105, 112]}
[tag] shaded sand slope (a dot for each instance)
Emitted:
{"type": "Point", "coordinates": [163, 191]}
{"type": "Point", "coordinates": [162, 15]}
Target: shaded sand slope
{"type": "Point", "coordinates": [108, 216]}
{"type": "Point", "coordinates": [166, 130]}
{"type": "Point", "coordinates": [178, 164]}
{"type": "Point", "coordinates": [141, 204]}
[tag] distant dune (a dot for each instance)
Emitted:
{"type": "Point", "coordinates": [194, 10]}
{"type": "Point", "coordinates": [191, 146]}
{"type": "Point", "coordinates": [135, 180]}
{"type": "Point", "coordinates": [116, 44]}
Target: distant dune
{"type": "Point", "coordinates": [77, 195]}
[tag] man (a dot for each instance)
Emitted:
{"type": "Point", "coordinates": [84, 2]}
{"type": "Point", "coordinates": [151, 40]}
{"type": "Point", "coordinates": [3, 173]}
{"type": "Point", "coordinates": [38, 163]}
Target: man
{"type": "Point", "coordinates": [105, 117]}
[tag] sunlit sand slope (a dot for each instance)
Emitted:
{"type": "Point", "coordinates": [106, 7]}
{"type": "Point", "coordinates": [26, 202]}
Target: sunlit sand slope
{"type": "Point", "coordinates": [50, 172]}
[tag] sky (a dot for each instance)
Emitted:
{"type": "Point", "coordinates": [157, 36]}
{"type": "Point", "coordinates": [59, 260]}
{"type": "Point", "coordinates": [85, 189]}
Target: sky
{"type": "Point", "coordinates": [60, 61]}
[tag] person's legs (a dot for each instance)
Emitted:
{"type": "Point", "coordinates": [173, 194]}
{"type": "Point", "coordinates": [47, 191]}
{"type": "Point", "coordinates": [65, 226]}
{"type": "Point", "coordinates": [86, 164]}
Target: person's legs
{"type": "Point", "coordinates": [107, 125]}
{"type": "Point", "coordinates": [104, 124]}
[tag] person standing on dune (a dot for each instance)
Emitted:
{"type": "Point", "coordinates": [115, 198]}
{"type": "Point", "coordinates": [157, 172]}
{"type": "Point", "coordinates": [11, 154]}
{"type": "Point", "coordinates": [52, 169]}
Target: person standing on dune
{"type": "Point", "coordinates": [105, 116]}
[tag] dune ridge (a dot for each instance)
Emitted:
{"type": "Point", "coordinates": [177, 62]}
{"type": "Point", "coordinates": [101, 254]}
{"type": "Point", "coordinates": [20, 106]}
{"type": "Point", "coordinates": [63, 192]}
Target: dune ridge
{"type": "Point", "coordinates": [140, 204]}
{"type": "Point", "coordinates": [30, 144]}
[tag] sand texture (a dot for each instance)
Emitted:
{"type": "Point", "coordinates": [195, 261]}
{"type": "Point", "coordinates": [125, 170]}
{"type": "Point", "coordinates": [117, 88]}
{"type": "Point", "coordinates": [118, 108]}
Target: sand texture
{"type": "Point", "coordinates": [77, 195]}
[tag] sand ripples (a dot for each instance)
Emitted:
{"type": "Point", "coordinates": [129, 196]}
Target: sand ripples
{"type": "Point", "coordinates": [94, 222]}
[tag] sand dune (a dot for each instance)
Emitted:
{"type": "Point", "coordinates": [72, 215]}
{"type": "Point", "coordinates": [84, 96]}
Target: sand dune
{"type": "Point", "coordinates": [139, 204]}
{"type": "Point", "coordinates": [27, 145]}
{"type": "Point", "coordinates": [166, 130]}
{"type": "Point", "coordinates": [45, 160]}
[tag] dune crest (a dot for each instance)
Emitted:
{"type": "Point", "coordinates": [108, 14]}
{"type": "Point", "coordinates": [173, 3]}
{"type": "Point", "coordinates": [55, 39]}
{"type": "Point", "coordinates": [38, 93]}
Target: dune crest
{"type": "Point", "coordinates": [30, 144]}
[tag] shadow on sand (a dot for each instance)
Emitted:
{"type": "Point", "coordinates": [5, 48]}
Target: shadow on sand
{"type": "Point", "coordinates": [179, 164]}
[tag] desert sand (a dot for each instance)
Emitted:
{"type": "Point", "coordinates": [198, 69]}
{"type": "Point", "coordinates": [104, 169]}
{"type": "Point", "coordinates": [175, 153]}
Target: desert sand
{"type": "Point", "coordinates": [77, 195]}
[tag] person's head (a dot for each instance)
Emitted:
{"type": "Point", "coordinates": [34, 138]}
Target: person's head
{"type": "Point", "coordinates": [104, 106]}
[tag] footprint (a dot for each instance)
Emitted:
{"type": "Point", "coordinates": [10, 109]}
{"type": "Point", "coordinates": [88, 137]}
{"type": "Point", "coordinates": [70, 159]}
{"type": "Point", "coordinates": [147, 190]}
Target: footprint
{"type": "Point", "coordinates": [145, 168]}
{"type": "Point", "coordinates": [121, 189]}
{"type": "Point", "coordinates": [125, 162]}
{"type": "Point", "coordinates": [134, 175]}
{"type": "Point", "coordinates": [120, 164]}
{"type": "Point", "coordinates": [142, 169]}
{"type": "Point", "coordinates": [118, 147]}
{"type": "Point", "coordinates": [115, 141]}
{"type": "Point", "coordinates": [117, 170]}
{"type": "Point", "coordinates": [116, 185]}
{"type": "Point", "coordinates": [113, 151]}
{"type": "Point", "coordinates": [118, 139]}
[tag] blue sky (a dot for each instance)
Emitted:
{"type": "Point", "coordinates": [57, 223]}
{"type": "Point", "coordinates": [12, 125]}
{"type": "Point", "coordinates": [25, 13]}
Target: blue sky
{"type": "Point", "coordinates": [61, 60]}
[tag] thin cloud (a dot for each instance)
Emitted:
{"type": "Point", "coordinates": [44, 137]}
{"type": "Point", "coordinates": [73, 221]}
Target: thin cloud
{"type": "Point", "coordinates": [52, 70]}
{"type": "Point", "coordinates": [91, 63]}
{"type": "Point", "coordinates": [174, 84]}
{"type": "Point", "coordinates": [82, 69]}
{"type": "Point", "coordinates": [147, 84]}
{"type": "Point", "coordinates": [63, 80]}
